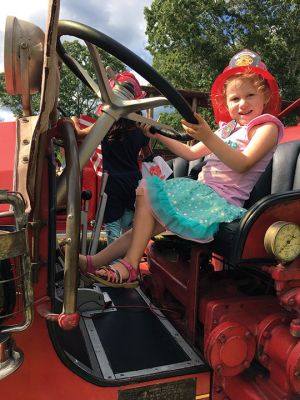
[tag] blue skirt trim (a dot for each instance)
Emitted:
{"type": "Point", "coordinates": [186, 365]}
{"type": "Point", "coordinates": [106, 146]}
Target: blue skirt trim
{"type": "Point", "coordinates": [189, 208]}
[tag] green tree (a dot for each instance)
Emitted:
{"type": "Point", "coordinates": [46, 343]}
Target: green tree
{"type": "Point", "coordinates": [74, 98]}
{"type": "Point", "coordinates": [14, 103]}
{"type": "Point", "coordinates": [191, 41]}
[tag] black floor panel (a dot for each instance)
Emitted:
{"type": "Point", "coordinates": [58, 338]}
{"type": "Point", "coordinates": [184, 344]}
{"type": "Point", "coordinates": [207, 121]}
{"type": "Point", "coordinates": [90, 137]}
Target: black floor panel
{"type": "Point", "coordinates": [133, 337]}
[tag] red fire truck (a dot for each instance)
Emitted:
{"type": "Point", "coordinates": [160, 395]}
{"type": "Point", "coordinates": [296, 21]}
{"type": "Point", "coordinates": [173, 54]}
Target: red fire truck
{"type": "Point", "coordinates": [209, 321]}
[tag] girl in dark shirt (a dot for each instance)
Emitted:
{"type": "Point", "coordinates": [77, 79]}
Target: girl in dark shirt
{"type": "Point", "coordinates": [120, 152]}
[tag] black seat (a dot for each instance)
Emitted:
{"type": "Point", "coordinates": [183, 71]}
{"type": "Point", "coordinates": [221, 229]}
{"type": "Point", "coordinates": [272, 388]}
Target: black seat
{"type": "Point", "coordinates": [274, 197]}
{"type": "Point", "coordinates": [183, 168]}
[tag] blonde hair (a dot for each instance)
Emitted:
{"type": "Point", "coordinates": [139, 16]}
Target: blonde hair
{"type": "Point", "coordinates": [257, 81]}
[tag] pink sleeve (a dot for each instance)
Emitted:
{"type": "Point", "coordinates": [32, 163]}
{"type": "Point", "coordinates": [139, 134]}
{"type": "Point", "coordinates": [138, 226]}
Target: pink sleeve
{"type": "Point", "coordinates": [267, 118]}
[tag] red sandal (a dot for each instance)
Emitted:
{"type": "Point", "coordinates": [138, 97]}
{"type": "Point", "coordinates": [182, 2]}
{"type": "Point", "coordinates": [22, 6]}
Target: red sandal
{"type": "Point", "coordinates": [113, 278]}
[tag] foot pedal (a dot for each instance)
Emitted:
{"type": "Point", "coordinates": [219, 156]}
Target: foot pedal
{"type": "Point", "coordinates": [90, 300]}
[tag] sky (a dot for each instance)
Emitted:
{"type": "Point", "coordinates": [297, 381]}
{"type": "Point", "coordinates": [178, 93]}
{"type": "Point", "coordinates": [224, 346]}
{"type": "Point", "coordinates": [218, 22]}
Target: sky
{"type": "Point", "coordinates": [123, 20]}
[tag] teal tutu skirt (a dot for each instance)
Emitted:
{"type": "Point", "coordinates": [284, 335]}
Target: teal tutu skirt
{"type": "Point", "coordinates": [189, 208]}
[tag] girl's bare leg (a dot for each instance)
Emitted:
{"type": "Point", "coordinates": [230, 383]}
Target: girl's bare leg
{"type": "Point", "coordinates": [144, 227]}
{"type": "Point", "coordinates": [116, 249]}
{"type": "Point", "coordinates": [132, 244]}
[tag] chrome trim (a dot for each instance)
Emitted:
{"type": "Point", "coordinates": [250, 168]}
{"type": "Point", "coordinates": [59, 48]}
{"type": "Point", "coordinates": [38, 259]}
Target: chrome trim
{"type": "Point", "coordinates": [21, 249]}
{"type": "Point", "coordinates": [73, 197]}
{"type": "Point", "coordinates": [10, 357]}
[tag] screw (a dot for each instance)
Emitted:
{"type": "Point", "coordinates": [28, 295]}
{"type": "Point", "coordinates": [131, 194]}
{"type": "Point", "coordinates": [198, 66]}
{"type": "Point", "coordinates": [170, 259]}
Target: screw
{"type": "Point", "coordinates": [265, 358]}
{"type": "Point", "coordinates": [218, 389]}
{"type": "Point", "coordinates": [218, 369]}
{"type": "Point", "coordinates": [222, 338]}
{"type": "Point", "coordinates": [248, 334]}
{"type": "Point", "coordinates": [266, 335]}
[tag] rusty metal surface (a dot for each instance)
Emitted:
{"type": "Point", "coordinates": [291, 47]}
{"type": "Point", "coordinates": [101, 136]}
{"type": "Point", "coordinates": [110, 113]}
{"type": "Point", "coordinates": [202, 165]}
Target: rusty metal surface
{"type": "Point", "coordinates": [12, 244]}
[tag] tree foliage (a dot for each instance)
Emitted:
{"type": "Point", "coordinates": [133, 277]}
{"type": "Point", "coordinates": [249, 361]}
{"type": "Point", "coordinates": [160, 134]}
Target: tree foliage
{"type": "Point", "coordinates": [74, 98]}
{"type": "Point", "coordinates": [191, 41]}
{"type": "Point", "coordinates": [14, 103]}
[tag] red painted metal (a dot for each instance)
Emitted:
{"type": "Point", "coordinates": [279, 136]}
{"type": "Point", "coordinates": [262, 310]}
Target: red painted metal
{"type": "Point", "coordinates": [244, 324]}
{"type": "Point", "coordinates": [65, 321]}
{"type": "Point", "coordinates": [291, 133]}
{"type": "Point", "coordinates": [288, 211]}
{"type": "Point", "coordinates": [230, 348]}
{"type": "Point", "coordinates": [7, 159]}
{"type": "Point", "coordinates": [239, 330]}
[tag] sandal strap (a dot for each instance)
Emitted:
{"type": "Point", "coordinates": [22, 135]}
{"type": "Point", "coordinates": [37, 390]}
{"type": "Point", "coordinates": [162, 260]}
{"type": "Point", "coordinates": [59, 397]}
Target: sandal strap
{"type": "Point", "coordinates": [112, 274]}
{"type": "Point", "coordinates": [133, 274]}
{"type": "Point", "coordinates": [116, 277]}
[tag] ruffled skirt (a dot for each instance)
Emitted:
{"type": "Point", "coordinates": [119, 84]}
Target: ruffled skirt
{"type": "Point", "coordinates": [189, 208]}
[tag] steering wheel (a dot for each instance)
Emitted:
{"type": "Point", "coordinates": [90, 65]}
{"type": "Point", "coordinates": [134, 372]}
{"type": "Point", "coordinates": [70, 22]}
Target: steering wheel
{"type": "Point", "coordinates": [95, 38]}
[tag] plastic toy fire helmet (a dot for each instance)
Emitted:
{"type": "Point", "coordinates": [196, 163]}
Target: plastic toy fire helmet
{"type": "Point", "coordinates": [246, 61]}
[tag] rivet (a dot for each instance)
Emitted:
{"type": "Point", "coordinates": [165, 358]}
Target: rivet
{"type": "Point", "coordinates": [297, 374]}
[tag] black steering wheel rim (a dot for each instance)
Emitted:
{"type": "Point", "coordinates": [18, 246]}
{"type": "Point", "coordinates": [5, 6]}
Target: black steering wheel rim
{"type": "Point", "coordinates": [86, 33]}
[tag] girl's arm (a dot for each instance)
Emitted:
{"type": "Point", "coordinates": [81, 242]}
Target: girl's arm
{"type": "Point", "coordinates": [262, 139]}
{"type": "Point", "coordinates": [189, 153]}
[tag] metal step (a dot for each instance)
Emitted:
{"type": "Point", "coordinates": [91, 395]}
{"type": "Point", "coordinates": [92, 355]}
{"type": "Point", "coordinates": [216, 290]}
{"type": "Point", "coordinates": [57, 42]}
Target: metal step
{"type": "Point", "coordinates": [132, 338]}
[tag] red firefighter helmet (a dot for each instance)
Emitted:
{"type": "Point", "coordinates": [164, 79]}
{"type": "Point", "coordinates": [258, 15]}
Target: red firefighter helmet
{"type": "Point", "coordinates": [246, 61]}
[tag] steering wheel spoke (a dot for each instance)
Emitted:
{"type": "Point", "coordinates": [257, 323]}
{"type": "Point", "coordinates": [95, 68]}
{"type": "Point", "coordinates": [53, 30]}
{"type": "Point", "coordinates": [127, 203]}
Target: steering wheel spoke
{"type": "Point", "coordinates": [106, 94]}
{"type": "Point", "coordinates": [144, 120]}
{"type": "Point", "coordinates": [85, 77]}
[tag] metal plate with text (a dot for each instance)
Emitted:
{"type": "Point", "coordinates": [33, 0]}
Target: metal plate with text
{"type": "Point", "coordinates": [177, 390]}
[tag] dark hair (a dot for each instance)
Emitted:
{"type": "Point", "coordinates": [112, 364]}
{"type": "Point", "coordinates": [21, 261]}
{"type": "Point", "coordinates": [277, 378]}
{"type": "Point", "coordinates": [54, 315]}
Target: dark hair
{"type": "Point", "coordinates": [120, 129]}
